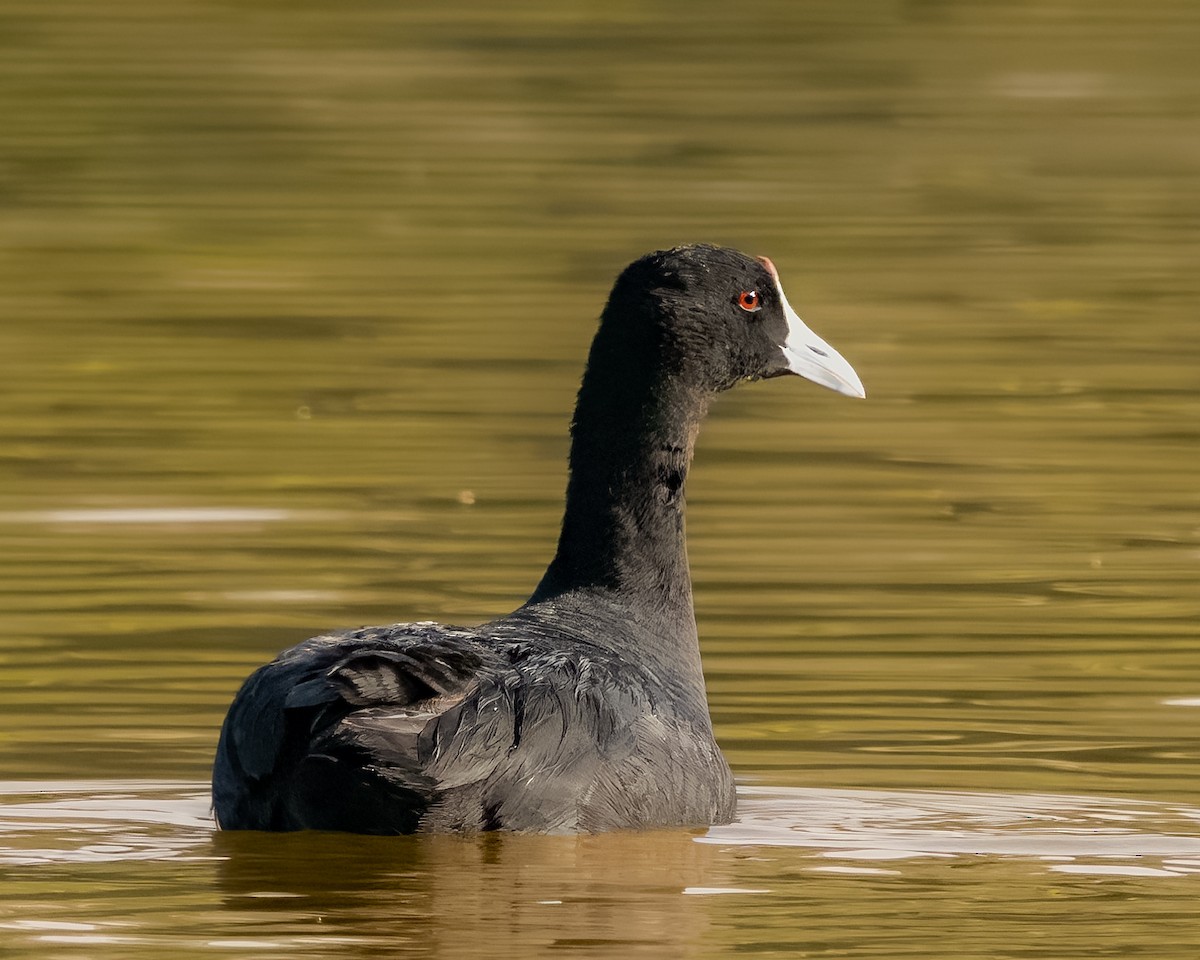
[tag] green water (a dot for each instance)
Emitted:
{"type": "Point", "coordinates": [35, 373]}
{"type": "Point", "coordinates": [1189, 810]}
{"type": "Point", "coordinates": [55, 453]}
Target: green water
{"type": "Point", "coordinates": [294, 298]}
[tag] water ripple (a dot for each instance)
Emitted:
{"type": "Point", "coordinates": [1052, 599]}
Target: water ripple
{"type": "Point", "coordinates": [895, 825]}
{"type": "Point", "coordinates": [107, 821]}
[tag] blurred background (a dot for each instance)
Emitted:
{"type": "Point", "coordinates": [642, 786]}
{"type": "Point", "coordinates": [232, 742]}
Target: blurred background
{"type": "Point", "coordinates": [295, 296]}
{"type": "Point", "coordinates": [295, 299]}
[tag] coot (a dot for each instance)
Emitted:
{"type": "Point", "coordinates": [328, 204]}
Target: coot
{"type": "Point", "coordinates": [585, 709]}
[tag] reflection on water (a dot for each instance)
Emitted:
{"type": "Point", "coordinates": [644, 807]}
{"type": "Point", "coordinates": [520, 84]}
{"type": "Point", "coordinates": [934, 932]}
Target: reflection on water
{"type": "Point", "coordinates": [641, 892]}
{"type": "Point", "coordinates": [167, 821]}
{"type": "Point", "coordinates": [160, 515]}
{"type": "Point", "coordinates": [881, 825]}
{"type": "Point", "coordinates": [102, 822]}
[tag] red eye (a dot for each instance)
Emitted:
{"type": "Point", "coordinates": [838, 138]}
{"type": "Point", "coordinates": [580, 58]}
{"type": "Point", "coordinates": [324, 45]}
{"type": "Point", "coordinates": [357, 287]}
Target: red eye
{"type": "Point", "coordinates": [748, 301]}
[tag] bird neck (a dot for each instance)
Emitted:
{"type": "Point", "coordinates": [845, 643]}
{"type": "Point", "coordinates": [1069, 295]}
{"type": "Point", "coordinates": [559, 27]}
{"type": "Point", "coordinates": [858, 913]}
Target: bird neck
{"type": "Point", "coordinates": [623, 537]}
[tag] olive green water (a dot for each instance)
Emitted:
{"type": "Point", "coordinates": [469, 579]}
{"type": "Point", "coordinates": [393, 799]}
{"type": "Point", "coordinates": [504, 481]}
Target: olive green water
{"type": "Point", "coordinates": [294, 299]}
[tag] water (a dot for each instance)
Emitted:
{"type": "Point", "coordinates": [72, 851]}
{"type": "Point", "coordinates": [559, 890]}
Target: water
{"type": "Point", "coordinates": [293, 305]}
{"type": "Point", "coordinates": [848, 872]}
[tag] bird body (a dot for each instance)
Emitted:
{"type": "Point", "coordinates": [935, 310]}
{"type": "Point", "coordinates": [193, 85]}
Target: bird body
{"type": "Point", "coordinates": [422, 727]}
{"type": "Point", "coordinates": [585, 709]}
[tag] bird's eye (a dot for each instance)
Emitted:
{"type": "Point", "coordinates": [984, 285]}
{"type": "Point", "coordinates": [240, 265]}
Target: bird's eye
{"type": "Point", "coordinates": [748, 301]}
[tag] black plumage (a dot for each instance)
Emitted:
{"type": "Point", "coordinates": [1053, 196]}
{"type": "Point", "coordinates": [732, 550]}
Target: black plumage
{"type": "Point", "coordinates": [585, 709]}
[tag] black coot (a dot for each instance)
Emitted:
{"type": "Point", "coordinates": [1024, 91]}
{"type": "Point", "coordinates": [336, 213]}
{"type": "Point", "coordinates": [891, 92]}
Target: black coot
{"type": "Point", "coordinates": [585, 709]}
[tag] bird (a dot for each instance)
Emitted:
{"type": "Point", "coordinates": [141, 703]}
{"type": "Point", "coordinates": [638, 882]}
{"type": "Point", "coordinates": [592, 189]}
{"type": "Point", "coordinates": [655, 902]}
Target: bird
{"type": "Point", "coordinates": [585, 709]}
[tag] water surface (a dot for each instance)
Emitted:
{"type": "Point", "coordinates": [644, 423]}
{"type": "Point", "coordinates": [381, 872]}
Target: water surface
{"type": "Point", "coordinates": [293, 305]}
{"type": "Point", "coordinates": [801, 867]}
